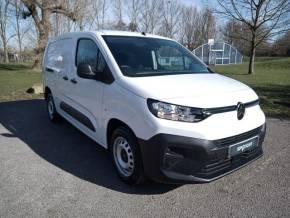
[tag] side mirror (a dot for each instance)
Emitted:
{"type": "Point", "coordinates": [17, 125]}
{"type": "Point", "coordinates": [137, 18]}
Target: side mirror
{"type": "Point", "coordinates": [86, 71]}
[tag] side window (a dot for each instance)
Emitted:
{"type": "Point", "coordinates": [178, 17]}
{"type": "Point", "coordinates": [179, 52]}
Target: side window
{"type": "Point", "coordinates": [55, 54]}
{"type": "Point", "coordinates": [87, 52]}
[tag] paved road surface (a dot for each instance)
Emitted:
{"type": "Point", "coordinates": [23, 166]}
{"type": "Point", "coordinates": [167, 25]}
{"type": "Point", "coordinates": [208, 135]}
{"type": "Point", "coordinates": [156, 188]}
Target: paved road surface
{"type": "Point", "coordinates": [49, 170]}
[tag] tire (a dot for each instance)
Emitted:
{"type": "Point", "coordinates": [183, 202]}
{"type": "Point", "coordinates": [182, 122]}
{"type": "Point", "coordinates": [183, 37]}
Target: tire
{"type": "Point", "coordinates": [126, 156]}
{"type": "Point", "coordinates": [53, 116]}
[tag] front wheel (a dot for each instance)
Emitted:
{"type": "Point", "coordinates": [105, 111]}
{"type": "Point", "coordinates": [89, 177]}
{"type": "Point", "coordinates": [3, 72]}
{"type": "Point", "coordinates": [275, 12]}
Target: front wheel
{"type": "Point", "coordinates": [126, 156]}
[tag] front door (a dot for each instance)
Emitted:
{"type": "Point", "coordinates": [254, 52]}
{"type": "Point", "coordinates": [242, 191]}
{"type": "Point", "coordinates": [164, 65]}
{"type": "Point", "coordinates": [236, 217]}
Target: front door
{"type": "Point", "coordinates": [83, 97]}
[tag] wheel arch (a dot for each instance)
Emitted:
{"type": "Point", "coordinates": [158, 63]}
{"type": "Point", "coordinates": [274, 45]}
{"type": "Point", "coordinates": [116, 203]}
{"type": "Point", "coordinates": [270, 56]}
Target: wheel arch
{"type": "Point", "coordinates": [113, 124]}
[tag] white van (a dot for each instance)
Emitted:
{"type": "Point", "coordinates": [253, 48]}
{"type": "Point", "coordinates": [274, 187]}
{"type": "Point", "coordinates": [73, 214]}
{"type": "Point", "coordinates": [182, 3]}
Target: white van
{"type": "Point", "coordinates": [161, 112]}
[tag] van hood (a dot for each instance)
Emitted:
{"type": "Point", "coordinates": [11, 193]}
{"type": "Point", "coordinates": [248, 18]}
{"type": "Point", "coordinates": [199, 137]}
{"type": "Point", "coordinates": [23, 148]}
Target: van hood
{"type": "Point", "coordinates": [194, 90]}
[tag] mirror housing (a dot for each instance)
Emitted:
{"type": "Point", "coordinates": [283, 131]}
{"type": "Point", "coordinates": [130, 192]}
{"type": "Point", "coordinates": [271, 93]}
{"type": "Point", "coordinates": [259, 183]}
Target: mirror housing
{"type": "Point", "coordinates": [85, 71]}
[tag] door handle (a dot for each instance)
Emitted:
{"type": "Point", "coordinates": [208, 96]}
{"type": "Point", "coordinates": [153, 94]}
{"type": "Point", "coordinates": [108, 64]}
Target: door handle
{"type": "Point", "coordinates": [65, 77]}
{"type": "Point", "coordinates": [74, 81]}
{"type": "Point", "coordinates": [48, 69]}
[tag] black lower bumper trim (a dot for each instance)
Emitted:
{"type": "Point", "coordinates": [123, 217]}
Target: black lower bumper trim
{"type": "Point", "coordinates": [177, 159]}
{"type": "Point", "coordinates": [190, 178]}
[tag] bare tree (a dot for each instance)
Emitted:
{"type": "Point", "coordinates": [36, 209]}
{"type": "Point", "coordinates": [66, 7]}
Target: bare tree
{"type": "Point", "coordinates": [100, 8]}
{"type": "Point", "coordinates": [133, 13]}
{"type": "Point", "coordinates": [82, 12]}
{"type": "Point", "coordinates": [118, 12]}
{"type": "Point", "coordinates": [79, 8]}
{"type": "Point", "coordinates": [20, 28]}
{"type": "Point", "coordinates": [282, 45]}
{"type": "Point", "coordinates": [150, 14]}
{"type": "Point", "coordinates": [196, 26]}
{"type": "Point", "coordinates": [207, 24]}
{"type": "Point", "coordinates": [232, 32]}
{"type": "Point", "coordinates": [189, 27]}
{"type": "Point", "coordinates": [4, 4]}
{"type": "Point", "coordinates": [55, 24]}
{"type": "Point", "coordinates": [264, 18]}
{"type": "Point", "coordinates": [41, 12]}
{"type": "Point", "coordinates": [104, 8]}
{"type": "Point", "coordinates": [170, 18]}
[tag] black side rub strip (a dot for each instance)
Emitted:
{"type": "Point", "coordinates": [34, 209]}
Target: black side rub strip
{"type": "Point", "coordinates": [229, 108]}
{"type": "Point", "coordinates": [83, 119]}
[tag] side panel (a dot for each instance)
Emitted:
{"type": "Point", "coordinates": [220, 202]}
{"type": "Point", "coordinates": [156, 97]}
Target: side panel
{"type": "Point", "coordinates": [56, 63]}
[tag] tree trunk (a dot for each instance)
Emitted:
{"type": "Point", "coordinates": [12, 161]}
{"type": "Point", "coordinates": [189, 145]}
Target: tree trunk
{"type": "Point", "coordinates": [19, 38]}
{"type": "Point", "coordinates": [43, 29]}
{"type": "Point", "coordinates": [5, 50]}
{"type": "Point", "coordinates": [252, 61]}
{"type": "Point", "coordinates": [20, 46]}
{"type": "Point", "coordinates": [17, 13]}
{"type": "Point", "coordinates": [252, 56]}
{"type": "Point", "coordinates": [5, 47]}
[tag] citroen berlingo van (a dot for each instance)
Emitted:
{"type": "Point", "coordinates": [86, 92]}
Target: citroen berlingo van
{"type": "Point", "coordinates": [160, 111]}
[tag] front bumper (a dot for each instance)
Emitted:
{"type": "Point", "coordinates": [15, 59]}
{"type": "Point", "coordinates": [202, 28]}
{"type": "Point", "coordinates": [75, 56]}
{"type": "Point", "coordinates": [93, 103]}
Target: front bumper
{"type": "Point", "coordinates": [177, 159]}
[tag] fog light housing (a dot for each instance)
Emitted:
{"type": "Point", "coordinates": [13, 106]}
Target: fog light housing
{"type": "Point", "coordinates": [171, 158]}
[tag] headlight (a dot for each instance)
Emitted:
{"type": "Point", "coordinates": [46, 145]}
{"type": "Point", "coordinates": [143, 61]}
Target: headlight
{"type": "Point", "coordinates": [176, 112]}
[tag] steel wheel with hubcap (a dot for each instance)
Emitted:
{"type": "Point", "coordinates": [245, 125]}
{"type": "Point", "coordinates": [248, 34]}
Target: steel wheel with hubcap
{"type": "Point", "coordinates": [123, 156]}
{"type": "Point", "coordinates": [126, 156]}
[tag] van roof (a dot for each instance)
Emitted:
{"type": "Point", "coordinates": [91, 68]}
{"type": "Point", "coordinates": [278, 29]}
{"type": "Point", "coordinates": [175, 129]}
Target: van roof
{"type": "Point", "coordinates": [106, 32]}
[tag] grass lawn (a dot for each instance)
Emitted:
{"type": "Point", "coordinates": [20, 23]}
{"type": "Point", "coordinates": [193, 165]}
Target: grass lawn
{"type": "Point", "coordinates": [271, 81]}
{"type": "Point", "coordinates": [15, 79]}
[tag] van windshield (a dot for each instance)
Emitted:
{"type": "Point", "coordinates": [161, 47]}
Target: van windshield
{"type": "Point", "coordinates": [142, 56]}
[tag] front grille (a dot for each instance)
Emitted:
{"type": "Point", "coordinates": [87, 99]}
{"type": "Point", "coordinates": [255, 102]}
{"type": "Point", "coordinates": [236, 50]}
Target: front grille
{"type": "Point", "coordinates": [237, 138]}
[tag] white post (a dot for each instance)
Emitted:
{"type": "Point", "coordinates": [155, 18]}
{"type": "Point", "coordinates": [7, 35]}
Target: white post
{"type": "Point", "coordinates": [223, 53]}
{"type": "Point", "coordinates": [236, 56]}
{"type": "Point", "coordinates": [202, 53]}
{"type": "Point", "coordinates": [230, 53]}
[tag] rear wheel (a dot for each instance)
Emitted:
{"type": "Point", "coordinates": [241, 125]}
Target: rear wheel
{"type": "Point", "coordinates": [126, 156]}
{"type": "Point", "coordinates": [51, 110]}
